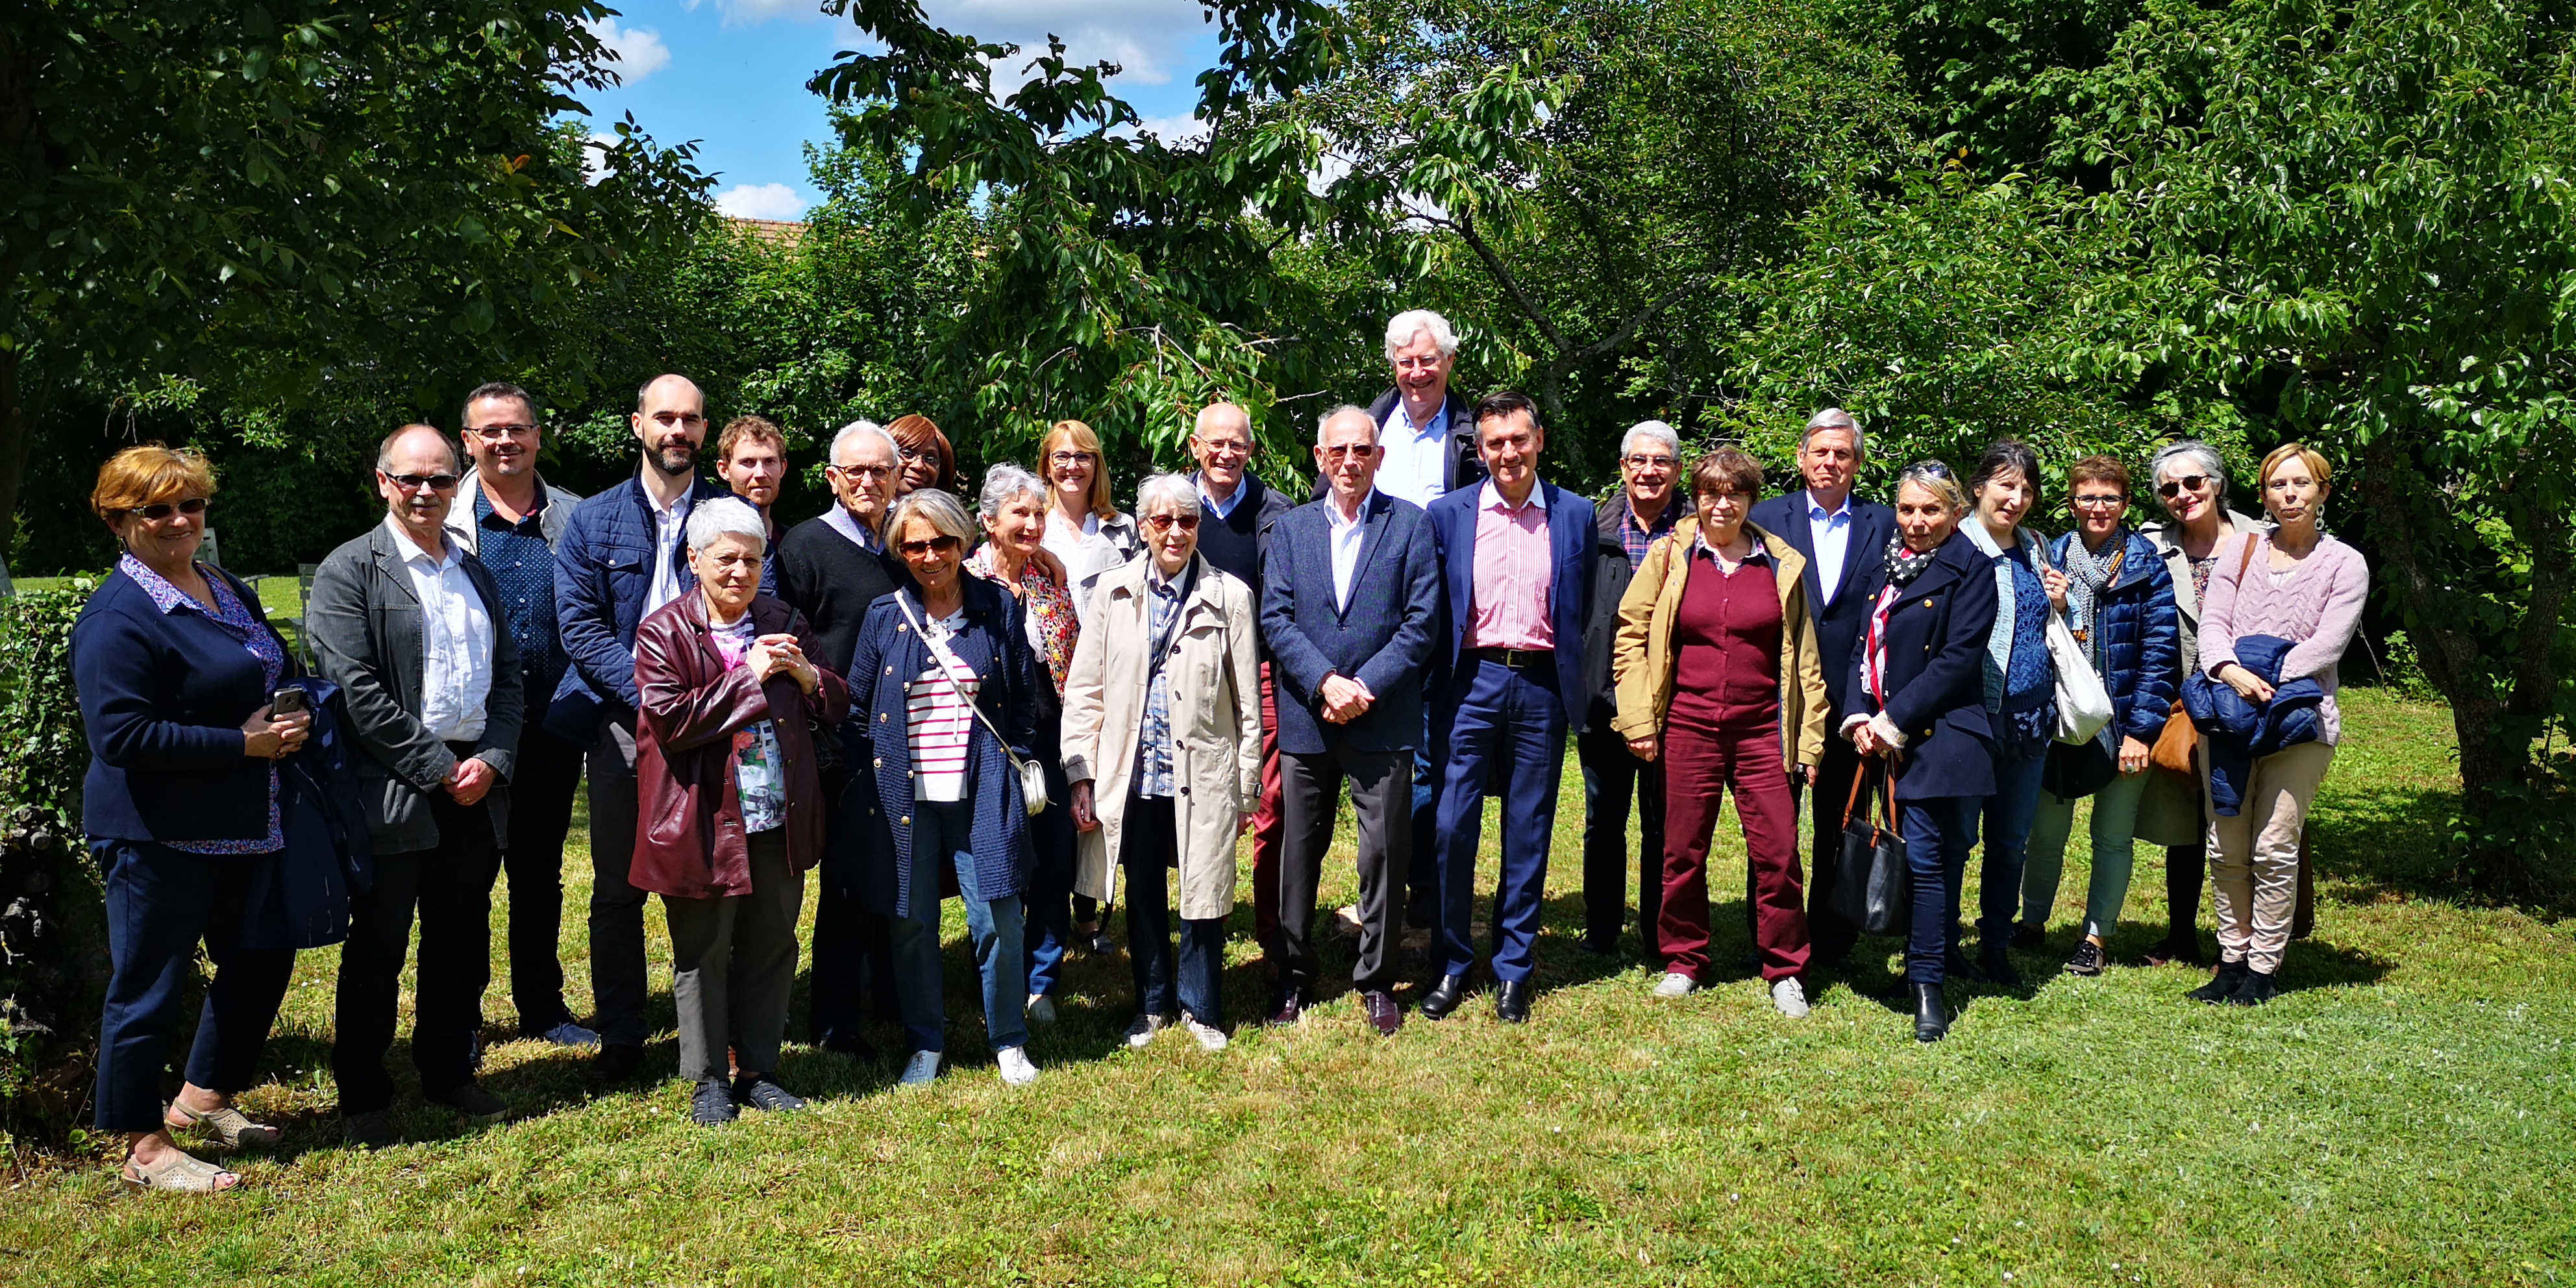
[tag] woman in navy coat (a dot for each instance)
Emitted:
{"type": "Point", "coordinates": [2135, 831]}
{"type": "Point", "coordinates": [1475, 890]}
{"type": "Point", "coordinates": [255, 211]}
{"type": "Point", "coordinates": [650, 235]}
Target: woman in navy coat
{"type": "Point", "coordinates": [1918, 702]}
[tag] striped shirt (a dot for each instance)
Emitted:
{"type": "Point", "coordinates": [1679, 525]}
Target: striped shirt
{"type": "Point", "coordinates": [939, 720]}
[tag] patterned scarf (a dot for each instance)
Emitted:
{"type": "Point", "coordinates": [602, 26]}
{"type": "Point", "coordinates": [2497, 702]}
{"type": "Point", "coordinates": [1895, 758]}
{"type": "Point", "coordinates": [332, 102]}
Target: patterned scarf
{"type": "Point", "coordinates": [1904, 564]}
{"type": "Point", "coordinates": [2090, 574]}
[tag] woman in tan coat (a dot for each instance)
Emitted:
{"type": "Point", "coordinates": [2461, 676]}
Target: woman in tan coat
{"type": "Point", "coordinates": [1162, 744]}
{"type": "Point", "coordinates": [1719, 678]}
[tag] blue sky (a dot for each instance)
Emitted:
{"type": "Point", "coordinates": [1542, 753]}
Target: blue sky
{"type": "Point", "coordinates": [731, 74]}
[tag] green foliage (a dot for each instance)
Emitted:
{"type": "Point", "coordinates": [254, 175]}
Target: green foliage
{"type": "Point", "coordinates": [53, 937]}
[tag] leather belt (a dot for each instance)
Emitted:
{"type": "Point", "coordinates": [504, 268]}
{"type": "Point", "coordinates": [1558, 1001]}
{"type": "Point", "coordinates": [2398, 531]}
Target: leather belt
{"type": "Point", "coordinates": [1518, 659]}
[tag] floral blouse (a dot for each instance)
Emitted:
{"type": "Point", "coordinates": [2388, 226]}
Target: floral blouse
{"type": "Point", "coordinates": [1053, 625]}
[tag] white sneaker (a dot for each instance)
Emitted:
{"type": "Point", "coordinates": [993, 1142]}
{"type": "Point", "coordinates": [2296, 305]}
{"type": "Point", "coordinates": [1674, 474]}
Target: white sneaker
{"type": "Point", "coordinates": [569, 1034]}
{"type": "Point", "coordinates": [918, 1071]}
{"type": "Point", "coordinates": [1141, 1031]}
{"type": "Point", "coordinates": [1210, 1038]}
{"type": "Point", "coordinates": [1016, 1069]}
{"type": "Point", "coordinates": [1040, 1010]}
{"type": "Point", "coordinates": [1675, 984]}
{"type": "Point", "coordinates": [1790, 996]}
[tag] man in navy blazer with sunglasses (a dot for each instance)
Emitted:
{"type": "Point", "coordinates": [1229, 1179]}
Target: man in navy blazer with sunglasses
{"type": "Point", "coordinates": [1516, 567]}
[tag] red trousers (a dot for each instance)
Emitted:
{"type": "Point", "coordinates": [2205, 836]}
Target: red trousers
{"type": "Point", "coordinates": [1699, 766]}
{"type": "Point", "coordinates": [1269, 824]}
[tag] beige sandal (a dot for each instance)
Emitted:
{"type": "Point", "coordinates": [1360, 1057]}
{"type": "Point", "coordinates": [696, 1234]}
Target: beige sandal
{"type": "Point", "coordinates": [230, 1126]}
{"type": "Point", "coordinates": [179, 1171]}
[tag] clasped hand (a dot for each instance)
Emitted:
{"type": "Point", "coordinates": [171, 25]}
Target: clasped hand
{"type": "Point", "coordinates": [469, 779]}
{"type": "Point", "coordinates": [267, 735]}
{"type": "Point", "coordinates": [772, 655]}
{"type": "Point", "coordinates": [1345, 699]}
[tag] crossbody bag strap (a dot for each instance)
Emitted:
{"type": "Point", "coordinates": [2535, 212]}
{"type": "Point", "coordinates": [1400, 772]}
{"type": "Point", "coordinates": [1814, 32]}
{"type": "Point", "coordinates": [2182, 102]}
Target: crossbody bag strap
{"type": "Point", "coordinates": [942, 663]}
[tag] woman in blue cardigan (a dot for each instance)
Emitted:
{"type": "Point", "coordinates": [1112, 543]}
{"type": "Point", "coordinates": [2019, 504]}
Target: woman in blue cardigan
{"type": "Point", "coordinates": [2119, 599]}
{"type": "Point", "coordinates": [175, 664]}
{"type": "Point", "coordinates": [1919, 703]}
{"type": "Point", "coordinates": [940, 667]}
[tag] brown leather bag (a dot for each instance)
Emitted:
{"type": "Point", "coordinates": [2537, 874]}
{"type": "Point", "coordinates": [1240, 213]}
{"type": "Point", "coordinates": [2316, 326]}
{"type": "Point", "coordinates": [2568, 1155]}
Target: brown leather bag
{"type": "Point", "coordinates": [2179, 744]}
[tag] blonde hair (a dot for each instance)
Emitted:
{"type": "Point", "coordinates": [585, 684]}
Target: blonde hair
{"type": "Point", "coordinates": [146, 475]}
{"type": "Point", "coordinates": [2304, 455]}
{"type": "Point", "coordinates": [1079, 437]}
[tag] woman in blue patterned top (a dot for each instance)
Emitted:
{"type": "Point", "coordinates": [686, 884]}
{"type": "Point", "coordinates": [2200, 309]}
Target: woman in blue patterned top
{"type": "Point", "coordinates": [175, 665]}
{"type": "Point", "coordinates": [2021, 696]}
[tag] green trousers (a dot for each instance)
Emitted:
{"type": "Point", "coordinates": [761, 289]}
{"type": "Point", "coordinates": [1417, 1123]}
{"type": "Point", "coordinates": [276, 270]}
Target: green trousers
{"type": "Point", "coordinates": [2115, 818]}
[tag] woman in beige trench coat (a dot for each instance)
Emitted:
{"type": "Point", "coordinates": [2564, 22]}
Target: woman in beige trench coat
{"type": "Point", "coordinates": [1165, 760]}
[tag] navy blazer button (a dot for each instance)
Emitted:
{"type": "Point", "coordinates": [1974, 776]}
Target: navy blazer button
{"type": "Point", "coordinates": [880, 762]}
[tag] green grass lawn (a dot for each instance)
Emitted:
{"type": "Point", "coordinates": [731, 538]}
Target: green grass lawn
{"type": "Point", "coordinates": [2401, 1115]}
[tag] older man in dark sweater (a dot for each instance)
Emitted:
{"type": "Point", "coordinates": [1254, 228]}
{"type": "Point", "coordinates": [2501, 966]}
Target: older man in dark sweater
{"type": "Point", "coordinates": [1236, 512]}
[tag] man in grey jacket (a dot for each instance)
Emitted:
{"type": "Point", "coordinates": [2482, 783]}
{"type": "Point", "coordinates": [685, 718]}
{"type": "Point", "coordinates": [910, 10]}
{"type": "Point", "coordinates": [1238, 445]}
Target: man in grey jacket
{"type": "Point", "coordinates": [510, 519]}
{"type": "Point", "coordinates": [412, 628]}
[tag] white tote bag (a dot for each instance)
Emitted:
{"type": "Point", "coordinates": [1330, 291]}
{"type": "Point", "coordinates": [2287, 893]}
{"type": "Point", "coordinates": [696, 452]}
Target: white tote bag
{"type": "Point", "coordinates": [2083, 705]}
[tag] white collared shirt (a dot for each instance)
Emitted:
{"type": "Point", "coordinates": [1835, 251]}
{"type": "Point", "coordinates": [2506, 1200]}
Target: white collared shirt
{"type": "Point", "coordinates": [1344, 537]}
{"type": "Point", "coordinates": [1220, 509]}
{"type": "Point", "coordinates": [1413, 461]}
{"type": "Point", "coordinates": [667, 526]}
{"type": "Point", "coordinates": [455, 639]}
{"type": "Point", "coordinates": [1830, 533]}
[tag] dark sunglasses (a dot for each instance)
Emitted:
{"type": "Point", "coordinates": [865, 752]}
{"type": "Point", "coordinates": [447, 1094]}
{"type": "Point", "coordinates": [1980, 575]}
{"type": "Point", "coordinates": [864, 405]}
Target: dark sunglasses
{"type": "Point", "coordinates": [415, 482]}
{"type": "Point", "coordinates": [159, 510]}
{"type": "Point", "coordinates": [2174, 487]}
{"type": "Point", "coordinates": [1185, 522]}
{"type": "Point", "coordinates": [910, 548]}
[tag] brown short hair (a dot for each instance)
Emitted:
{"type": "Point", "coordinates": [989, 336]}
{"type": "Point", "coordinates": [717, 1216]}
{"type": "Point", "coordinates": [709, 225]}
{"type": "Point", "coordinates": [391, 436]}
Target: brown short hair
{"type": "Point", "coordinates": [2098, 469]}
{"type": "Point", "coordinates": [2301, 452]}
{"type": "Point", "coordinates": [148, 475]}
{"type": "Point", "coordinates": [1726, 469]}
{"type": "Point", "coordinates": [756, 429]}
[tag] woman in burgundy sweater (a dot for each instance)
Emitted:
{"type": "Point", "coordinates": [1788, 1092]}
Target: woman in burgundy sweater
{"type": "Point", "coordinates": [1719, 676]}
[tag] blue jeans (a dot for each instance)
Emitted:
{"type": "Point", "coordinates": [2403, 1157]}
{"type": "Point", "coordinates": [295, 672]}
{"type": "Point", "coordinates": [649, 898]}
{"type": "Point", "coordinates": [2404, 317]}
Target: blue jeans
{"type": "Point", "coordinates": [1937, 840]}
{"type": "Point", "coordinates": [2006, 816]}
{"type": "Point", "coordinates": [939, 835]}
{"type": "Point", "coordinates": [1149, 846]}
{"type": "Point", "coordinates": [1509, 720]}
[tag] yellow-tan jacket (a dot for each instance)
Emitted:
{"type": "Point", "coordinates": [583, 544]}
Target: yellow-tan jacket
{"type": "Point", "coordinates": [1642, 665]}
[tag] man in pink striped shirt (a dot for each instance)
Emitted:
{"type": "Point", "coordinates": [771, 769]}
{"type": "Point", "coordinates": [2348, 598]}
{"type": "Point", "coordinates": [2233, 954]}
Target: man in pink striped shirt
{"type": "Point", "coordinates": [1516, 578]}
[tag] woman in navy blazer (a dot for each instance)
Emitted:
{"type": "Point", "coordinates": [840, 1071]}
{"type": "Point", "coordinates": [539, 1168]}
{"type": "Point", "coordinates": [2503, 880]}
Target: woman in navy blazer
{"type": "Point", "coordinates": [175, 665]}
{"type": "Point", "coordinates": [1917, 695]}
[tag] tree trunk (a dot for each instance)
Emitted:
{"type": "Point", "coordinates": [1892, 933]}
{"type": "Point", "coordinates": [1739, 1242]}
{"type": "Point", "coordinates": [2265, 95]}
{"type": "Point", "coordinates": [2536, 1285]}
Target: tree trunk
{"type": "Point", "coordinates": [15, 431]}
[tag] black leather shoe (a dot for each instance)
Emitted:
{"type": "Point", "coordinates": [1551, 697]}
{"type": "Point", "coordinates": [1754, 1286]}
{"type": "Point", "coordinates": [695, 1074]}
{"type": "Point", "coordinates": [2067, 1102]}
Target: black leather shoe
{"type": "Point", "coordinates": [2257, 989]}
{"type": "Point", "coordinates": [1931, 1013]}
{"type": "Point", "coordinates": [615, 1063]}
{"type": "Point", "coordinates": [1383, 1014]}
{"type": "Point", "coordinates": [1291, 1008]}
{"type": "Point", "coordinates": [1998, 967]}
{"type": "Point", "coordinates": [762, 1092]}
{"type": "Point", "coordinates": [1444, 997]}
{"type": "Point", "coordinates": [2222, 984]}
{"type": "Point", "coordinates": [1956, 967]}
{"type": "Point", "coordinates": [1512, 1001]}
{"type": "Point", "coordinates": [713, 1104]}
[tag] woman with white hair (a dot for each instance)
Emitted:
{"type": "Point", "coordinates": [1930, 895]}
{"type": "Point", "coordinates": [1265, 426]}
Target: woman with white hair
{"type": "Point", "coordinates": [731, 804]}
{"type": "Point", "coordinates": [1162, 741]}
{"type": "Point", "coordinates": [1014, 515]}
{"type": "Point", "coordinates": [941, 682]}
{"type": "Point", "coordinates": [2191, 480]}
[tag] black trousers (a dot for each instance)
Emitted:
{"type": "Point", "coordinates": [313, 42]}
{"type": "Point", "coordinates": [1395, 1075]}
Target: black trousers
{"type": "Point", "coordinates": [1612, 777]}
{"type": "Point", "coordinates": [451, 888]}
{"type": "Point", "coordinates": [1310, 791]}
{"type": "Point", "coordinates": [1831, 939]}
{"type": "Point", "coordinates": [542, 787]}
{"type": "Point", "coordinates": [160, 904]}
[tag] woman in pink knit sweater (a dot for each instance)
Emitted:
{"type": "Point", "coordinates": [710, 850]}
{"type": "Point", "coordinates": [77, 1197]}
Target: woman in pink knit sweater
{"type": "Point", "coordinates": [2300, 585]}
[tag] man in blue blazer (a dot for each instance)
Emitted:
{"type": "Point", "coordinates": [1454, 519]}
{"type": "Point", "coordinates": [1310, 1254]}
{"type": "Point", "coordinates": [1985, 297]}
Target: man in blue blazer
{"type": "Point", "coordinates": [619, 559]}
{"type": "Point", "coordinates": [1516, 570]}
{"type": "Point", "coordinates": [1349, 604]}
{"type": "Point", "coordinates": [1844, 538]}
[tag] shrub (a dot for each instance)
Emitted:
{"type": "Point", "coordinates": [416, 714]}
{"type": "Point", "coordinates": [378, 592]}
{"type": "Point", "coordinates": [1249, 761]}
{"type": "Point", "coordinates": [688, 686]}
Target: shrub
{"type": "Point", "coordinates": [53, 926]}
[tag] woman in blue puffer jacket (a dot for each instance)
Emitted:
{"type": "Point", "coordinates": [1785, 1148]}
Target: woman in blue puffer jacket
{"type": "Point", "coordinates": [2119, 599]}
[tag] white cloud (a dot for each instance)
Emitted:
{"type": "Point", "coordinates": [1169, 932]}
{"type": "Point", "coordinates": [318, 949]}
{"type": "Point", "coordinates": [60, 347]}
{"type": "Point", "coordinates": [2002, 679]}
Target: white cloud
{"type": "Point", "coordinates": [753, 12]}
{"type": "Point", "coordinates": [762, 201]}
{"type": "Point", "coordinates": [640, 51]}
{"type": "Point", "coordinates": [1179, 131]}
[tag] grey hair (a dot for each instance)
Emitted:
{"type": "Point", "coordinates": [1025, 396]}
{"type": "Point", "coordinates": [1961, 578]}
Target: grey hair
{"type": "Point", "coordinates": [1326, 420]}
{"type": "Point", "coordinates": [938, 509]}
{"type": "Point", "coordinates": [1836, 418]}
{"type": "Point", "coordinates": [1177, 489]}
{"type": "Point", "coordinates": [1654, 431]}
{"type": "Point", "coordinates": [863, 428]}
{"type": "Point", "coordinates": [1004, 481]}
{"type": "Point", "coordinates": [1936, 478]}
{"type": "Point", "coordinates": [725, 516]}
{"type": "Point", "coordinates": [2190, 451]}
{"type": "Point", "coordinates": [1401, 329]}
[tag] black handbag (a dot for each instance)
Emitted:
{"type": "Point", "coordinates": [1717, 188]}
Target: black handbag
{"type": "Point", "coordinates": [1873, 888]}
{"type": "Point", "coordinates": [2076, 770]}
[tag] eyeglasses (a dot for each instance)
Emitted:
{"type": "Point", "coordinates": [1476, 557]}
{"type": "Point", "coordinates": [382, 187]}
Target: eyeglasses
{"type": "Point", "coordinates": [1068, 458]}
{"type": "Point", "coordinates": [1644, 462]}
{"type": "Point", "coordinates": [415, 482]}
{"type": "Point", "coordinates": [2174, 487]}
{"type": "Point", "coordinates": [1340, 451]}
{"type": "Point", "coordinates": [911, 454]}
{"type": "Point", "coordinates": [1223, 448]}
{"type": "Point", "coordinates": [1419, 364]}
{"type": "Point", "coordinates": [1934, 468]}
{"type": "Point", "coordinates": [878, 472]}
{"type": "Point", "coordinates": [2100, 502]}
{"type": "Point", "coordinates": [942, 544]}
{"type": "Point", "coordinates": [1165, 522]}
{"type": "Point", "coordinates": [500, 431]}
{"type": "Point", "coordinates": [675, 419]}
{"type": "Point", "coordinates": [159, 510]}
